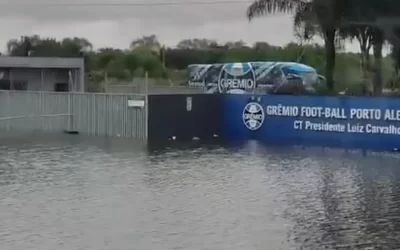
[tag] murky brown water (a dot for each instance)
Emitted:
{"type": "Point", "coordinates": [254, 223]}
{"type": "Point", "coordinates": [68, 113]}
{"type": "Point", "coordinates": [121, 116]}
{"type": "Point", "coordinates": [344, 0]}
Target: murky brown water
{"type": "Point", "coordinates": [79, 193]}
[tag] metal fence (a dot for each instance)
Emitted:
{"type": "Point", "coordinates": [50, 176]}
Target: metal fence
{"type": "Point", "coordinates": [149, 86]}
{"type": "Point", "coordinates": [152, 89]}
{"type": "Point", "coordinates": [87, 113]}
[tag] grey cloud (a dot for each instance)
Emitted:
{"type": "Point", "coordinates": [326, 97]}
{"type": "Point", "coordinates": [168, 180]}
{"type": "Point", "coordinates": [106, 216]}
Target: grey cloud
{"type": "Point", "coordinates": [64, 10]}
{"type": "Point", "coordinates": [118, 25]}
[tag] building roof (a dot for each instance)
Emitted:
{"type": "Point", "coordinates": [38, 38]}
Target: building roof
{"type": "Point", "coordinates": [41, 62]}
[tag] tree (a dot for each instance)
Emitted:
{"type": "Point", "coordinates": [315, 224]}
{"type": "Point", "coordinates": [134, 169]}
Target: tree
{"type": "Point", "coordinates": [128, 64]}
{"type": "Point", "coordinates": [132, 63]}
{"type": "Point", "coordinates": [146, 43]}
{"type": "Point", "coordinates": [196, 43]}
{"type": "Point", "coordinates": [22, 46]}
{"type": "Point", "coordinates": [325, 13]}
{"type": "Point", "coordinates": [363, 34]}
{"type": "Point", "coordinates": [307, 26]}
{"type": "Point", "coordinates": [235, 45]}
{"type": "Point", "coordinates": [378, 21]}
{"type": "Point", "coordinates": [76, 45]}
{"type": "Point", "coordinates": [261, 45]}
{"type": "Point", "coordinates": [37, 46]}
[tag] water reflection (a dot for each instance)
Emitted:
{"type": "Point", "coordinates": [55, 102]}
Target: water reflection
{"type": "Point", "coordinates": [90, 193]}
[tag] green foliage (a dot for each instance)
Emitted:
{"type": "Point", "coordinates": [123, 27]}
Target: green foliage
{"type": "Point", "coordinates": [371, 23]}
{"type": "Point", "coordinates": [172, 62]}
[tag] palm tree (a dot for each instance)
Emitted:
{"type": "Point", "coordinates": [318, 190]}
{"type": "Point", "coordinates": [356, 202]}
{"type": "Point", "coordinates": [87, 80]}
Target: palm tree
{"type": "Point", "coordinates": [325, 14]}
{"type": "Point", "coordinates": [376, 21]}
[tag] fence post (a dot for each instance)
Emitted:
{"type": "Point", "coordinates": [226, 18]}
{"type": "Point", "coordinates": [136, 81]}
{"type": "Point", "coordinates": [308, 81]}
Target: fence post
{"type": "Point", "coordinates": [146, 104]}
{"type": "Point", "coordinates": [105, 88]}
{"type": "Point", "coordinates": [41, 125]}
{"type": "Point", "coordinates": [8, 111]}
{"type": "Point", "coordinates": [69, 112]}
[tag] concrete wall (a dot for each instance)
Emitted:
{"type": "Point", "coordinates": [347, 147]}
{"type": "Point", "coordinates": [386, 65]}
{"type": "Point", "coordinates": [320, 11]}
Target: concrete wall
{"type": "Point", "coordinates": [41, 62]}
{"type": "Point", "coordinates": [42, 73]}
{"type": "Point", "coordinates": [41, 79]}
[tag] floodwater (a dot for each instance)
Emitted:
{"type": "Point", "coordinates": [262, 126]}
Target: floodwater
{"type": "Point", "coordinates": [84, 193]}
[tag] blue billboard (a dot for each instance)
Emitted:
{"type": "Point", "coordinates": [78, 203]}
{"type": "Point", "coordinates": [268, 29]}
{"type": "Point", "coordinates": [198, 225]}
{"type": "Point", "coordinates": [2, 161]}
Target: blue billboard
{"type": "Point", "coordinates": [351, 122]}
{"type": "Point", "coordinates": [251, 77]}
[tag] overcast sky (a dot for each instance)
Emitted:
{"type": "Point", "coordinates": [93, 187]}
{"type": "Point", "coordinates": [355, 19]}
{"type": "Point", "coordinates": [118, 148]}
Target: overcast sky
{"type": "Point", "coordinates": [116, 26]}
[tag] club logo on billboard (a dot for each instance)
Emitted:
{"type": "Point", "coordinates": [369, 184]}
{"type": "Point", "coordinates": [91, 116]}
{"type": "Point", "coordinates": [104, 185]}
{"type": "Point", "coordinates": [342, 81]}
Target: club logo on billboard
{"type": "Point", "coordinates": [196, 79]}
{"type": "Point", "coordinates": [253, 116]}
{"type": "Point", "coordinates": [236, 78]}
